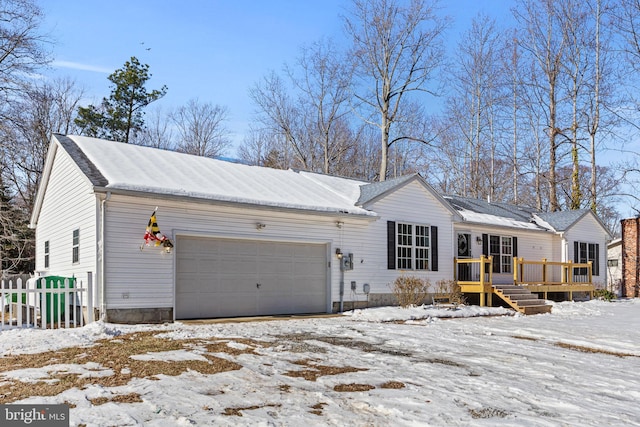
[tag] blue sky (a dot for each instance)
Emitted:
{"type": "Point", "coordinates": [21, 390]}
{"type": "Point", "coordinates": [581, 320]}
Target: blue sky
{"type": "Point", "coordinates": [212, 50]}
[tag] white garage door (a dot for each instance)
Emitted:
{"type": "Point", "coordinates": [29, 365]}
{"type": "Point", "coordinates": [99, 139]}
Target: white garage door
{"type": "Point", "coordinates": [224, 278]}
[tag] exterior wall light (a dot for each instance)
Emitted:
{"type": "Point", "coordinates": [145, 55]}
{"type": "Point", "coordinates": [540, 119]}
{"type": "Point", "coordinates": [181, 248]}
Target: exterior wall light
{"type": "Point", "coordinates": [260, 226]}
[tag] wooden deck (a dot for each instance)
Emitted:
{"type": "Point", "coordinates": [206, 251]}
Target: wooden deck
{"type": "Point", "coordinates": [536, 278]}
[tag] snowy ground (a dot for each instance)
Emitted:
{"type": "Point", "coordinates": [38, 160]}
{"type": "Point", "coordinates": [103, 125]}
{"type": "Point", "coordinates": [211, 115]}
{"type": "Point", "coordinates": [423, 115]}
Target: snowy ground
{"type": "Point", "coordinates": [578, 366]}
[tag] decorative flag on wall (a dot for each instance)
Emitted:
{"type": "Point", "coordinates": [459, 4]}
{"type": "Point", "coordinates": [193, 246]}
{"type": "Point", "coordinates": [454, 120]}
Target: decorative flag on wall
{"type": "Point", "coordinates": [153, 234]}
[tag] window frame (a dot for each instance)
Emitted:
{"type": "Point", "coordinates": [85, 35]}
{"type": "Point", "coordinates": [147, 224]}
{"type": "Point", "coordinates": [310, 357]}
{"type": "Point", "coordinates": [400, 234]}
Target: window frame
{"type": "Point", "coordinates": [413, 249]}
{"type": "Point", "coordinates": [75, 246]}
{"type": "Point", "coordinates": [502, 260]}
{"type": "Point", "coordinates": [585, 252]}
{"type": "Point", "coordinates": [47, 253]}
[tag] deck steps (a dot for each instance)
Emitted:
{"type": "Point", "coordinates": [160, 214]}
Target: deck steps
{"type": "Point", "coordinates": [521, 299]}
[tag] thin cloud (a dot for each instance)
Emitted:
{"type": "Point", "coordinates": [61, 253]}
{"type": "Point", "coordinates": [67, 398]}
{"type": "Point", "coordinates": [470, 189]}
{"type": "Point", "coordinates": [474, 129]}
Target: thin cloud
{"type": "Point", "coordinates": [79, 66]}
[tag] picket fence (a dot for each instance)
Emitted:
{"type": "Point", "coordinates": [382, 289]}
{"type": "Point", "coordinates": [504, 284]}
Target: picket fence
{"type": "Point", "coordinates": [46, 303]}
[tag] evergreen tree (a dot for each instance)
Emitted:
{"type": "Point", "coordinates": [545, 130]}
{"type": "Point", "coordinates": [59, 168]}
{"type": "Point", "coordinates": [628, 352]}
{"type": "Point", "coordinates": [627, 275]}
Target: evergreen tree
{"type": "Point", "coordinates": [120, 116]}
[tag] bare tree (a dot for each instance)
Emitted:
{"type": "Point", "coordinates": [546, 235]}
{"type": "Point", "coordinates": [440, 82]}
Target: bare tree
{"type": "Point", "coordinates": [280, 114]}
{"type": "Point", "coordinates": [21, 43]}
{"type": "Point", "coordinates": [574, 23]}
{"type": "Point", "coordinates": [157, 131]}
{"type": "Point", "coordinates": [474, 108]}
{"type": "Point", "coordinates": [45, 108]}
{"type": "Point", "coordinates": [263, 147]}
{"type": "Point", "coordinates": [201, 128]}
{"type": "Point", "coordinates": [546, 44]}
{"type": "Point", "coordinates": [397, 50]}
{"type": "Point", "coordinates": [324, 86]}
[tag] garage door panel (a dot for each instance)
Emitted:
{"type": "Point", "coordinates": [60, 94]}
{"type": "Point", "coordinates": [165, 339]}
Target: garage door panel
{"type": "Point", "coordinates": [275, 266]}
{"type": "Point", "coordinates": [219, 277]}
{"type": "Point", "coordinates": [277, 249]}
{"type": "Point", "coordinates": [239, 247]}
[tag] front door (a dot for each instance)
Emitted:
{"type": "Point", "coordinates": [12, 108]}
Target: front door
{"type": "Point", "coordinates": [464, 251]}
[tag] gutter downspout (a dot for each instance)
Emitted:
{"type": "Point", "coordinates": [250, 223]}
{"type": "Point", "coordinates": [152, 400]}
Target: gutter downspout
{"type": "Point", "coordinates": [103, 305]}
{"type": "Point", "coordinates": [341, 287]}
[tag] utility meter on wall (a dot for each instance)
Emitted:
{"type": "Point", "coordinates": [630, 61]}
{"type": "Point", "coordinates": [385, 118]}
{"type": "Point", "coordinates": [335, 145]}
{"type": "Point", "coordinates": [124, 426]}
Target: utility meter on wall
{"type": "Point", "coordinates": [346, 263]}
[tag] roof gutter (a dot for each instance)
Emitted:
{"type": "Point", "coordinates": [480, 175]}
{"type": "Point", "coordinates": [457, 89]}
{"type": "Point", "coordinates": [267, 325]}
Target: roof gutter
{"type": "Point", "coordinates": [202, 200]}
{"type": "Point", "coordinates": [534, 230]}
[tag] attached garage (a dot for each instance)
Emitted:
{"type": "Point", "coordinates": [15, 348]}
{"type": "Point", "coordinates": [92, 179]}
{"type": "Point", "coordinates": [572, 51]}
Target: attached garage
{"type": "Point", "coordinates": [234, 277]}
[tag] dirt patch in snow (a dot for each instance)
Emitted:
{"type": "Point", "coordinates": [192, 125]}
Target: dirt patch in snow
{"type": "Point", "coordinates": [237, 411]}
{"type": "Point", "coordinates": [585, 349]}
{"type": "Point", "coordinates": [353, 387]}
{"type": "Point", "coordinates": [115, 367]}
{"type": "Point", "coordinates": [119, 398]}
{"type": "Point", "coordinates": [315, 371]}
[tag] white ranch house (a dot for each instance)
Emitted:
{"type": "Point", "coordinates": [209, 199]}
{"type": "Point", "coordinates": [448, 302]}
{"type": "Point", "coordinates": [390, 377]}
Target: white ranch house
{"type": "Point", "coordinates": [253, 241]}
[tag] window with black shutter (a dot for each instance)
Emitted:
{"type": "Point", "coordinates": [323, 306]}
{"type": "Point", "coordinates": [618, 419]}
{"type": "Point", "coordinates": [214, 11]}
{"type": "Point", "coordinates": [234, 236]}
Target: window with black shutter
{"type": "Point", "coordinates": [584, 252]}
{"type": "Point", "coordinates": [411, 246]}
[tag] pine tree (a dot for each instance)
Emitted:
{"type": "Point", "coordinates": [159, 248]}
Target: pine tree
{"type": "Point", "coordinates": [120, 116]}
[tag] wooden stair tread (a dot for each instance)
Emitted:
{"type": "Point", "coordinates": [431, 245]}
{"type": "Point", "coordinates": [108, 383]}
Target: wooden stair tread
{"type": "Point", "coordinates": [521, 299]}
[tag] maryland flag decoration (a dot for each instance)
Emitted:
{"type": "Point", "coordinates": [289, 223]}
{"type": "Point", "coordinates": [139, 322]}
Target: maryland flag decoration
{"type": "Point", "coordinates": [153, 234]}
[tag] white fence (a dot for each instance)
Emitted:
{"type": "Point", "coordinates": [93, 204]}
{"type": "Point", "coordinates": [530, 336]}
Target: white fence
{"type": "Point", "coordinates": [46, 302]}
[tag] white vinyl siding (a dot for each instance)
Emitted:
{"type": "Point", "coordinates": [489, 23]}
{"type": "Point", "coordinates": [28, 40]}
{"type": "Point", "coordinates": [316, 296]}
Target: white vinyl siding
{"type": "Point", "coordinates": [411, 204]}
{"type": "Point", "coordinates": [145, 278]}
{"type": "Point", "coordinates": [589, 231]}
{"type": "Point", "coordinates": [68, 204]}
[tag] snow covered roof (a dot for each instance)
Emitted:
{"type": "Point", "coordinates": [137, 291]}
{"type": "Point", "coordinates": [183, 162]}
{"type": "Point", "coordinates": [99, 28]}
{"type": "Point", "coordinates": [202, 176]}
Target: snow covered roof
{"type": "Point", "coordinates": [480, 211]}
{"type": "Point", "coordinates": [115, 166]}
{"type": "Point", "coordinates": [124, 167]}
{"type": "Point", "coordinates": [499, 214]}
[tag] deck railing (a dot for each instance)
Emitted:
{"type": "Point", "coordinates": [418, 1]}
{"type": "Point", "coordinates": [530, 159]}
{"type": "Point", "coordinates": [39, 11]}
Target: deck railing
{"type": "Point", "coordinates": [473, 271]}
{"type": "Point", "coordinates": [478, 272]}
{"type": "Point", "coordinates": [545, 272]}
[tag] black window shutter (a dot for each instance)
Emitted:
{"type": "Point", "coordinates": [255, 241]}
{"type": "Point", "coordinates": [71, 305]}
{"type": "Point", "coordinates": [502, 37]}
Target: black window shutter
{"type": "Point", "coordinates": [515, 247]}
{"type": "Point", "coordinates": [434, 248]}
{"type": "Point", "coordinates": [485, 244]}
{"type": "Point", "coordinates": [576, 252]}
{"type": "Point", "coordinates": [391, 245]}
{"type": "Point", "coordinates": [596, 262]}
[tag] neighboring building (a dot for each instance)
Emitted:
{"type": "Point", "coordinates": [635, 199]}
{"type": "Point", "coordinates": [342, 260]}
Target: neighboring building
{"type": "Point", "coordinates": [249, 240]}
{"type": "Point", "coordinates": [630, 257]}
{"type": "Point", "coordinates": [614, 266]}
